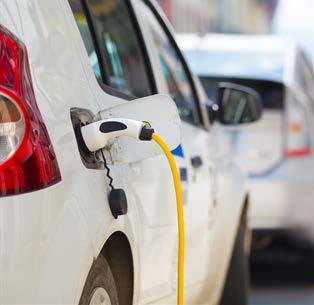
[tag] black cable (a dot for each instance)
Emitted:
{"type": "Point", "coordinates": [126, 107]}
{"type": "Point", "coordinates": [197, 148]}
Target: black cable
{"type": "Point", "coordinates": [108, 170]}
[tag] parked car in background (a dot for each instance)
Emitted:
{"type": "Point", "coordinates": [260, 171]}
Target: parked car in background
{"type": "Point", "coordinates": [65, 64]}
{"type": "Point", "coordinates": [277, 152]}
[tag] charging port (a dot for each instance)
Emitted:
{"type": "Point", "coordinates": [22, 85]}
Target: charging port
{"type": "Point", "coordinates": [81, 117]}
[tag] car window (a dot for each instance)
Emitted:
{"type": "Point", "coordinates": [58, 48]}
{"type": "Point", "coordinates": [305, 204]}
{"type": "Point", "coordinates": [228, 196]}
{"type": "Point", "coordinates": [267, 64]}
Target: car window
{"type": "Point", "coordinates": [82, 24]}
{"type": "Point", "coordinates": [173, 69]}
{"type": "Point", "coordinates": [242, 64]}
{"type": "Point", "coordinates": [120, 53]}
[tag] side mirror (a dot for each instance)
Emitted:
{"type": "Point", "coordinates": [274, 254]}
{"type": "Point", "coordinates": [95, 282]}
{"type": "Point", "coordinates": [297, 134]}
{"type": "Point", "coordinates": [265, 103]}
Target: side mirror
{"type": "Point", "coordinates": [235, 105]}
{"type": "Point", "coordinates": [160, 111]}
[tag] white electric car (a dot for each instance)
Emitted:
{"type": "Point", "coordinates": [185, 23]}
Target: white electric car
{"type": "Point", "coordinates": [64, 237]}
{"type": "Point", "coordinates": [277, 152]}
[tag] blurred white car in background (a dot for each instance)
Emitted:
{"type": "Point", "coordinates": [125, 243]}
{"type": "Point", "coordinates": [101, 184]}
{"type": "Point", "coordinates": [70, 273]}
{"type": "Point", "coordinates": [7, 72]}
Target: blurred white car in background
{"type": "Point", "coordinates": [65, 64]}
{"type": "Point", "coordinates": [299, 27]}
{"type": "Point", "coordinates": [277, 152]}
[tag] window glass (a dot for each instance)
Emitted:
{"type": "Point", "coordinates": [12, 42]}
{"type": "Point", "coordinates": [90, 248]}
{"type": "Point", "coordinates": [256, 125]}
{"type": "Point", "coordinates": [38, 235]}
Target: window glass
{"type": "Point", "coordinates": [120, 48]}
{"type": "Point", "coordinates": [242, 64]}
{"type": "Point", "coordinates": [176, 77]}
{"type": "Point", "coordinates": [239, 107]}
{"type": "Point", "coordinates": [82, 24]}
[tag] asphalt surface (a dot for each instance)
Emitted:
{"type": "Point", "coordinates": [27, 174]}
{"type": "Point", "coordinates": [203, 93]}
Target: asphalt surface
{"type": "Point", "coordinates": [283, 295]}
{"type": "Point", "coordinates": [282, 277]}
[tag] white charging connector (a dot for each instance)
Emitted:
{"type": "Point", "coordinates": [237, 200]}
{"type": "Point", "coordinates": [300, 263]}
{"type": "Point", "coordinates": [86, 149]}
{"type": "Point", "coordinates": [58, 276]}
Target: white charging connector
{"type": "Point", "coordinates": [96, 135]}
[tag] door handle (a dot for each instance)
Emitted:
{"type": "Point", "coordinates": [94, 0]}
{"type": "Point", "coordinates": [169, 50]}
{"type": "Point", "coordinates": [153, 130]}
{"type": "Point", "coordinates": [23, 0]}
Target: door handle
{"type": "Point", "coordinates": [196, 161]}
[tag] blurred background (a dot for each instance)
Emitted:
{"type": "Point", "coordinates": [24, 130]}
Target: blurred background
{"type": "Point", "coordinates": [291, 18]}
{"type": "Point", "coordinates": [282, 273]}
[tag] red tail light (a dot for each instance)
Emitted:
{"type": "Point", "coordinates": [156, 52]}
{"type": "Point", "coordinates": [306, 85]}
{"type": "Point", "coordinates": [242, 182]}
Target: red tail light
{"type": "Point", "coordinates": [298, 130]}
{"type": "Point", "coordinates": [297, 138]}
{"type": "Point", "coordinates": [302, 152]}
{"type": "Point", "coordinates": [27, 158]}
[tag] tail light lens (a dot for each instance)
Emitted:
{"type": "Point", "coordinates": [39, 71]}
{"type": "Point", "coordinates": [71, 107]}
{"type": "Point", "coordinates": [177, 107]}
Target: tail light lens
{"type": "Point", "coordinates": [298, 144]}
{"type": "Point", "coordinates": [12, 127]}
{"type": "Point", "coordinates": [27, 158]}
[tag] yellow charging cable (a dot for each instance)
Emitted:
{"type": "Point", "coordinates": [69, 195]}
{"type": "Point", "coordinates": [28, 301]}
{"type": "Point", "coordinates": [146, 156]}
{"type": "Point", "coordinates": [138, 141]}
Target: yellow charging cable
{"type": "Point", "coordinates": [96, 135]}
{"type": "Point", "coordinates": [177, 186]}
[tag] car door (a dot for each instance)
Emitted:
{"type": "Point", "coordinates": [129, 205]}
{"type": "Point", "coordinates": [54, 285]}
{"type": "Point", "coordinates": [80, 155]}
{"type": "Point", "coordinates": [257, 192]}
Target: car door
{"type": "Point", "coordinates": [192, 156]}
{"type": "Point", "coordinates": [118, 71]}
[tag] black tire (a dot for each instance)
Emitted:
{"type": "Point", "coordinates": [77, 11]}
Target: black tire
{"type": "Point", "coordinates": [100, 275]}
{"type": "Point", "coordinates": [236, 290]}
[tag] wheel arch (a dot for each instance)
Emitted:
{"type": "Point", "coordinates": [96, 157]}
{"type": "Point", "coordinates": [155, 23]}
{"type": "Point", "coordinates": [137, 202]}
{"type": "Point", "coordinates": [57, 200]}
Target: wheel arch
{"type": "Point", "coordinates": [245, 218]}
{"type": "Point", "coordinates": [246, 207]}
{"type": "Point", "coordinates": [242, 220]}
{"type": "Point", "coordinates": [118, 253]}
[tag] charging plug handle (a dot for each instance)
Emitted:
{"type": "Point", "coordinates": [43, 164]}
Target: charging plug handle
{"type": "Point", "coordinates": [96, 135]}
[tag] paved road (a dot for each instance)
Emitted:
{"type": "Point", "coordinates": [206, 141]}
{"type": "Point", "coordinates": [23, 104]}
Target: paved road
{"type": "Point", "coordinates": [283, 279]}
{"type": "Point", "coordinates": [277, 295]}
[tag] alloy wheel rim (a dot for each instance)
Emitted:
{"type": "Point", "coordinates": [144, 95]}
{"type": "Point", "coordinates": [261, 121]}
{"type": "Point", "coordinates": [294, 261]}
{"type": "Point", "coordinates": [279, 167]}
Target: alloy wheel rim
{"type": "Point", "coordinates": [100, 297]}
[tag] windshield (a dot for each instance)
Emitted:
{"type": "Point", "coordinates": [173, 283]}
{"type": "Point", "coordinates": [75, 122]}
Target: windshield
{"type": "Point", "coordinates": [257, 65]}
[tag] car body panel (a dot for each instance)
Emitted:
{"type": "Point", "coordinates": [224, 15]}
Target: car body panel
{"type": "Point", "coordinates": [215, 148]}
{"type": "Point", "coordinates": [49, 238]}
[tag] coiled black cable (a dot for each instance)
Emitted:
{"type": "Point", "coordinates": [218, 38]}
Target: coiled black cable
{"type": "Point", "coordinates": [108, 170]}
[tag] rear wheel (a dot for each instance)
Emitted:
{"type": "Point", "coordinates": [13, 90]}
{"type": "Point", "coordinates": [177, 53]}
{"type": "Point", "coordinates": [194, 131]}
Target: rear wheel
{"type": "Point", "coordinates": [100, 288]}
{"type": "Point", "coordinates": [237, 282]}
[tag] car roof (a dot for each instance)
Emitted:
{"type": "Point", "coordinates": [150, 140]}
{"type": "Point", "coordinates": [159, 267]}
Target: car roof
{"type": "Point", "coordinates": [235, 55]}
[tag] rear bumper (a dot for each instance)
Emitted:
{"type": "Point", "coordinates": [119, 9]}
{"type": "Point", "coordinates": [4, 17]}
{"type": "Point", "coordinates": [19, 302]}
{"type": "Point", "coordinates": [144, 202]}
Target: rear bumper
{"type": "Point", "coordinates": [284, 199]}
